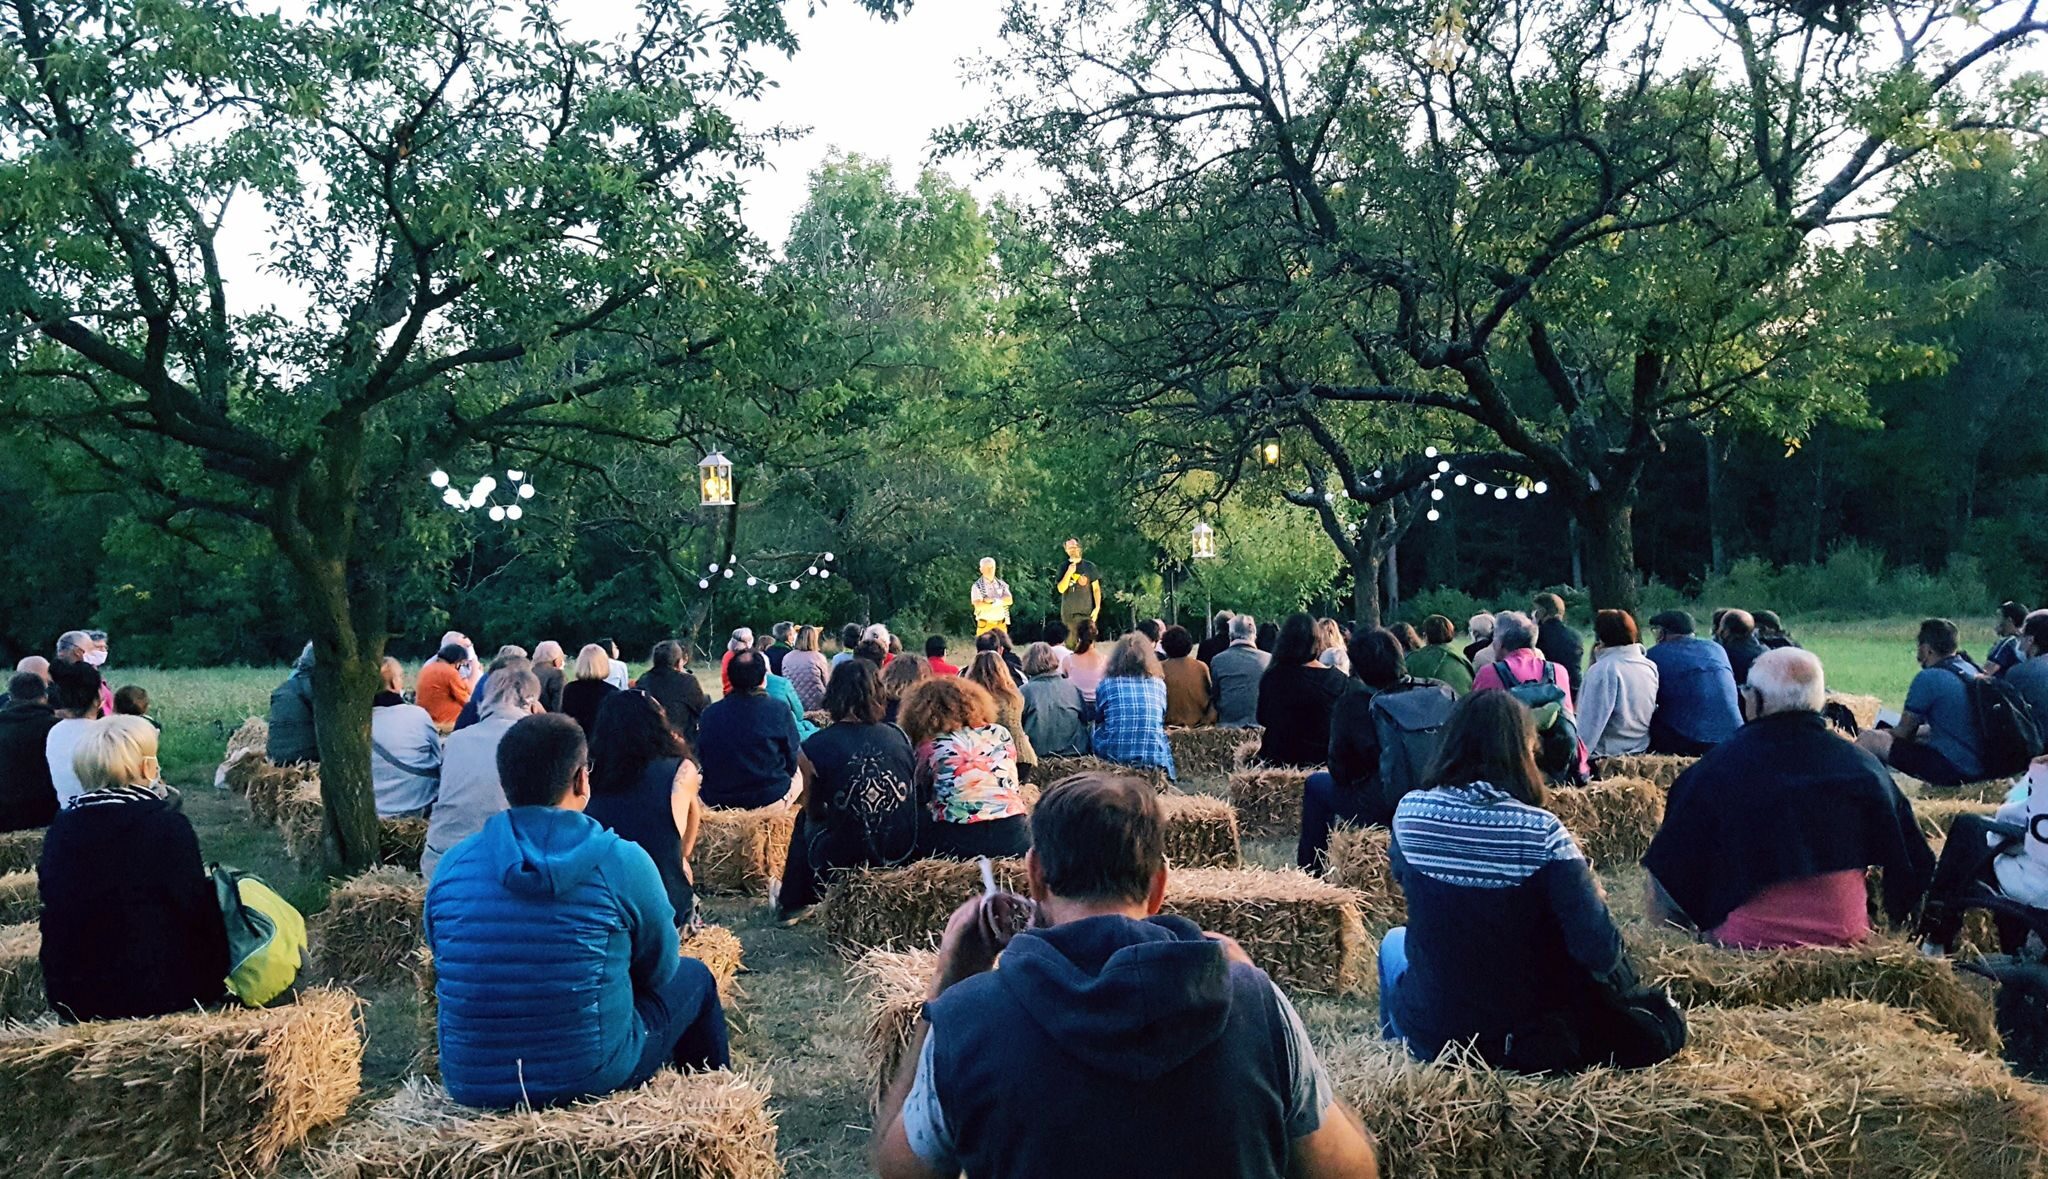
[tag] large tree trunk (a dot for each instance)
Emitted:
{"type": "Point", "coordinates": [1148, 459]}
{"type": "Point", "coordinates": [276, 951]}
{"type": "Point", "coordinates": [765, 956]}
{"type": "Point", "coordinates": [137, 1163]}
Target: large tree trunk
{"type": "Point", "coordinates": [348, 647]}
{"type": "Point", "coordinates": [1365, 586]}
{"type": "Point", "coordinates": [1717, 541]}
{"type": "Point", "coordinates": [1607, 517]}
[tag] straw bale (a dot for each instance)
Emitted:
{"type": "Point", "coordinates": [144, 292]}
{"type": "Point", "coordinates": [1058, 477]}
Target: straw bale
{"type": "Point", "coordinates": [1833, 1089]}
{"type": "Point", "coordinates": [896, 981]}
{"type": "Point", "coordinates": [20, 850]}
{"type": "Point", "coordinates": [714, 1125]}
{"type": "Point", "coordinates": [20, 899]}
{"type": "Point", "coordinates": [718, 948]}
{"type": "Point", "coordinates": [1052, 769]}
{"type": "Point", "coordinates": [427, 1014]}
{"type": "Point", "coordinates": [400, 842]}
{"type": "Point", "coordinates": [270, 785]}
{"type": "Point", "coordinates": [1887, 971]}
{"type": "Point", "coordinates": [371, 927]}
{"type": "Point", "coordinates": [1307, 934]}
{"type": "Point", "coordinates": [1661, 768]}
{"type": "Point", "coordinates": [1268, 800]}
{"type": "Point", "coordinates": [21, 973]}
{"type": "Point", "coordinates": [1208, 751]}
{"type": "Point", "coordinates": [1201, 831]}
{"type": "Point", "coordinates": [909, 905]}
{"type": "Point", "coordinates": [1245, 754]}
{"type": "Point", "coordinates": [739, 852]}
{"type": "Point", "coordinates": [246, 753]}
{"type": "Point", "coordinates": [1863, 708]}
{"type": "Point", "coordinates": [1936, 814]}
{"type": "Point", "coordinates": [207, 1093]}
{"type": "Point", "coordinates": [1357, 859]}
{"type": "Point", "coordinates": [302, 821]}
{"type": "Point", "coordinates": [1613, 819]}
{"type": "Point", "coordinates": [819, 717]}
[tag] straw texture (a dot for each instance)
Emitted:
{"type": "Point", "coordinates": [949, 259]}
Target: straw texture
{"type": "Point", "coordinates": [400, 842]}
{"type": "Point", "coordinates": [371, 927]}
{"type": "Point", "coordinates": [1306, 933]}
{"type": "Point", "coordinates": [907, 906]}
{"type": "Point", "coordinates": [20, 899]}
{"type": "Point", "coordinates": [1052, 769]}
{"type": "Point", "coordinates": [1201, 831]}
{"type": "Point", "coordinates": [1613, 819]}
{"type": "Point", "coordinates": [739, 852]}
{"type": "Point", "coordinates": [1357, 859]}
{"type": "Point", "coordinates": [1268, 800]}
{"type": "Point", "coordinates": [20, 850]}
{"type": "Point", "coordinates": [21, 973]}
{"type": "Point", "coordinates": [895, 982]}
{"type": "Point", "coordinates": [246, 753]}
{"type": "Point", "coordinates": [1207, 751]}
{"type": "Point", "coordinates": [1661, 768]}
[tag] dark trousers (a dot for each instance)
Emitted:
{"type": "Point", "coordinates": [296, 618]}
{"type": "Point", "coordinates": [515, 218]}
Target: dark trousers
{"type": "Point", "coordinates": [996, 838]}
{"type": "Point", "coordinates": [685, 1024]}
{"type": "Point", "coordinates": [1323, 805]}
{"type": "Point", "coordinates": [1074, 619]}
{"type": "Point", "coordinates": [1963, 869]}
{"type": "Point", "coordinates": [1663, 740]}
{"type": "Point", "coordinates": [1917, 759]}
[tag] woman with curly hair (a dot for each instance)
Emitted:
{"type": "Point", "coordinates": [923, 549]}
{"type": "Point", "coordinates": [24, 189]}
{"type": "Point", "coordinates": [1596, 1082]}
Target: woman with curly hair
{"type": "Point", "coordinates": [966, 771]}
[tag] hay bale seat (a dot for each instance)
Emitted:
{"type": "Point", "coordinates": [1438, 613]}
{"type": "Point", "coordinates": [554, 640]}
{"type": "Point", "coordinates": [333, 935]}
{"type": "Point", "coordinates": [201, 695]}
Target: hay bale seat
{"type": "Point", "coordinates": [1613, 819]}
{"type": "Point", "coordinates": [1833, 1089]}
{"type": "Point", "coordinates": [371, 927]}
{"type": "Point", "coordinates": [1208, 751]}
{"type": "Point", "coordinates": [20, 898]}
{"type": "Point", "coordinates": [246, 753]}
{"type": "Point", "coordinates": [20, 850]}
{"type": "Point", "coordinates": [1886, 971]}
{"type": "Point", "coordinates": [869, 907]}
{"type": "Point", "coordinates": [400, 842]}
{"type": "Point", "coordinates": [21, 973]}
{"type": "Point", "coordinates": [739, 852]}
{"type": "Point", "coordinates": [896, 982]}
{"type": "Point", "coordinates": [1357, 858]}
{"type": "Point", "coordinates": [1863, 708]}
{"type": "Point", "coordinates": [1935, 815]}
{"type": "Point", "coordinates": [1201, 831]}
{"type": "Point", "coordinates": [1268, 800]}
{"type": "Point", "coordinates": [302, 821]}
{"type": "Point", "coordinates": [713, 1125]}
{"type": "Point", "coordinates": [270, 785]}
{"type": "Point", "coordinates": [1053, 769]}
{"type": "Point", "coordinates": [1661, 768]}
{"type": "Point", "coordinates": [210, 1093]}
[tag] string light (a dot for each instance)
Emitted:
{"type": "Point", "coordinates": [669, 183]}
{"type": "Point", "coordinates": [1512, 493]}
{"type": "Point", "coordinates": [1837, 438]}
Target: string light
{"type": "Point", "coordinates": [1500, 493]}
{"type": "Point", "coordinates": [1541, 487]}
{"type": "Point", "coordinates": [1460, 479]}
{"type": "Point", "coordinates": [1521, 493]}
{"type": "Point", "coordinates": [482, 493]}
{"type": "Point", "coordinates": [1430, 452]}
{"type": "Point", "coordinates": [815, 567]}
{"type": "Point", "coordinates": [1436, 493]}
{"type": "Point", "coordinates": [1442, 465]}
{"type": "Point", "coordinates": [1435, 515]}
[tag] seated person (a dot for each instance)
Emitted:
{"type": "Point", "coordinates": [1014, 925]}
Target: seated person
{"type": "Point", "coordinates": [133, 700]}
{"type": "Point", "coordinates": [405, 750]}
{"type": "Point", "coordinates": [470, 792]}
{"type": "Point", "coordinates": [1765, 841]}
{"type": "Point", "coordinates": [1518, 660]}
{"type": "Point", "coordinates": [935, 655]}
{"type": "Point", "coordinates": [555, 955]}
{"type": "Point", "coordinates": [1107, 1023]}
{"type": "Point", "coordinates": [2029, 677]}
{"type": "Point", "coordinates": [471, 712]}
{"type": "Point", "coordinates": [669, 681]}
{"type": "Point", "coordinates": [1237, 671]}
{"type": "Point", "coordinates": [1190, 693]}
{"type": "Point", "coordinates": [1509, 945]}
{"type": "Point", "coordinates": [1296, 695]}
{"type": "Point", "coordinates": [28, 798]}
{"type": "Point", "coordinates": [748, 741]}
{"type": "Point", "coordinates": [1620, 694]}
{"type": "Point", "coordinates": [2005, 654]}
{"type": "Point", "coordinates": [1130, 707]}
{"type": "Point", "coordinates": [75, 688]}
{"type": "Point", "coordinates": [1696, 708]}
{"type": "Point", "coordinates": [131, 923]}
{"type": "Point", "coordinates": [989, 671]}
{"type": "Point", "coordinates": [1054, 714]}
{"type": "Point", "coordinates": [643, 786]}
{"type": "Point", "coordinates": [293, 736]}
{"type": "Point", "coordinates": [1982, 853]}
{"type": "Point", "coordinates": [859, 800]}
{"type": "Point", "coordinates": [967, 768]}
{"type": "Point", "coordinates": [1736, 632]}
{"type": "Point", "coordinates": [588, 688]}
{"type": "Point", "coordinates": [1936, 740]}
{"type": "Point", "coordinates": [1351, 790]}
{"type": "Point", "coordinates": [1439, 659]}
{"type": "Point", "coordinates": [443, 689]}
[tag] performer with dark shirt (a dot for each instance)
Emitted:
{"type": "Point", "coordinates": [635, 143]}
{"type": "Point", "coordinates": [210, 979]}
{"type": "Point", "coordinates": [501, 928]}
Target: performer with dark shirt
{"type": "Point", "coordinates": [1080, 589]}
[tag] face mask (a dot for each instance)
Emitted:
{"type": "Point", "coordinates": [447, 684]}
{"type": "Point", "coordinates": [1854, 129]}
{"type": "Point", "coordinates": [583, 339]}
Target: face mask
{"type": "Point", "coordinates": [95, 658]}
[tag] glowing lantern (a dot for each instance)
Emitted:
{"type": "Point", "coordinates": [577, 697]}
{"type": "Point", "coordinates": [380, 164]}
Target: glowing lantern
{"type": "Point", "coordinates": [1204, 541]}
{"type": "Point", "coordinates": [714, 481]}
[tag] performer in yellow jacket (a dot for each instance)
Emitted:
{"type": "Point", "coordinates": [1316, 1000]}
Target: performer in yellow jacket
{"type": "Point", "coordinates": [991, 597]}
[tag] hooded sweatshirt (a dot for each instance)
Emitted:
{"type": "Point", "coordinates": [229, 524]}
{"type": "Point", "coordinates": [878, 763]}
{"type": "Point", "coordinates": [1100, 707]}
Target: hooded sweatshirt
{"type": "Point", "coordinates": [545, 928]}
{"type": "Point", "coordinates": [1115, 1047]}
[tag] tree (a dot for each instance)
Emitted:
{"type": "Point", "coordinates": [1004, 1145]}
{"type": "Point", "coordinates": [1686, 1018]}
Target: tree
{"type": "Point", "coordinates": [1522, 214]}
{"type": "Point", "coordinates": [497, 236]}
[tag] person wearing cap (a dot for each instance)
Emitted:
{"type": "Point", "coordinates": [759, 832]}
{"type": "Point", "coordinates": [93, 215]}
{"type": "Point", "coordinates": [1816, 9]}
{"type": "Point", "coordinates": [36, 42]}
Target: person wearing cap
{"type": "Point", "coordinates": [1558, 642]}
{"type": "Point", "coordinates": [742, 640]}
{"type": "Point", "coordinates": [1696, 705]}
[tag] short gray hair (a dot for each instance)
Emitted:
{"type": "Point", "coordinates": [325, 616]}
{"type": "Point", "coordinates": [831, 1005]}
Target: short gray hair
{"type": "Point", "coordinates": [1242, 627]}
{"type": "Point", "coordinates": [875, 633]}
{"type": "Point", "coordinates": [1513, 631]}
{"type": "Point", "coordinates": [1788, 680]}
{"type": "Point", "coordinates": [782, 631]}
{"type": "Point", "coordinates": [513, 688]}
{"type": "Point", "coordinates": [1039, 659]}
{"type": "Point", "coordinates": [73, 640]}
{"type": "Point", "coordinates": [1480, 626]}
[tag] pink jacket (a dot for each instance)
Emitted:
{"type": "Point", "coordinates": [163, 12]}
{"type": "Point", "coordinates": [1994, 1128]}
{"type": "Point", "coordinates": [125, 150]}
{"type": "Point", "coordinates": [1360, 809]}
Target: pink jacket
{"type": "Point", "coordinates": [1527, 664]}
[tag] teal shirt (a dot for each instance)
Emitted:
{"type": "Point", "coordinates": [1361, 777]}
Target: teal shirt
{"type": "Point", "coordinates": [785, 691]}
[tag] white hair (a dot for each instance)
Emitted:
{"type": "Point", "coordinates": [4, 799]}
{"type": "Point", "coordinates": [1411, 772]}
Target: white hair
{"type": "Point", "coordinates": [73, 640]}
{"type": "Point", "coordinates": [875, 633]}
{"type": "Point", "coordinates": [1788, 680]}
{"type": "Point", "coordinates": [1243, 627]}
{"type": "Point", "coordinates": [988, 561]}
{"type": "Point", "coordinates": [1480, 626]}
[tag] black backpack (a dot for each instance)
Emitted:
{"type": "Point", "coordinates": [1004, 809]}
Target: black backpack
{"type": "Point", "coordinates": [1408, 720]}
{"type": "Point", "coordinates": [2008, 730]}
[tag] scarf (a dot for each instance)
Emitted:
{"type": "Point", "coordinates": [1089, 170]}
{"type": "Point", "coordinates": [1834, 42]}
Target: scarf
{"type": "Point", "coordinates": [116, 795]}
{"type": "Point", "coordinates": [991, 589]}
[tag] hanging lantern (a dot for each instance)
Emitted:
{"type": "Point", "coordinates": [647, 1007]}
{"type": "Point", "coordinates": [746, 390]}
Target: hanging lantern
{"type": "Point", "coordinates": [1269, 450]}
{"type": "Point", "coordinates": [1204, 541]}
{"type": "Point", "coordinates": [714, 481]}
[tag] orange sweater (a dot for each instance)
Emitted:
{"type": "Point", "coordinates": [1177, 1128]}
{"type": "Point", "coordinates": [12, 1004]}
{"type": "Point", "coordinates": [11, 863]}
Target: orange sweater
{"type": "Point", "coordinates": [442, 691]}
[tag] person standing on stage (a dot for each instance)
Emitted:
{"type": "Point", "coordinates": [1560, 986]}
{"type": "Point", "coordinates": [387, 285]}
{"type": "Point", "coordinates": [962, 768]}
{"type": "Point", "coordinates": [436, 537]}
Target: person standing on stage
{"type": "Point", "coordinates": [1079, 588]}
{"type": "Point", "coordinates": [991, 597]}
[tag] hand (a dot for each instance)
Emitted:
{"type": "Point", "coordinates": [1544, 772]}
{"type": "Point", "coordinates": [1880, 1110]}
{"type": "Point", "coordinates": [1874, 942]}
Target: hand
{"type": "Point", "coordinates": [1232, 952]}
{"type": "Point", "coordinates": [965, 950]}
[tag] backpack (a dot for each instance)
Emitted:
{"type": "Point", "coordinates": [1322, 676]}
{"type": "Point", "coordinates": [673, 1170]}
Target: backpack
{"type": "Point", "coordinates": [1557, 730]}
{"type": "Point", "coordinates": [2008, 731]}
{"type": "Point", "coordinates": [1408, 720]}
{"type": "Point", "coordinates": [266, 937]}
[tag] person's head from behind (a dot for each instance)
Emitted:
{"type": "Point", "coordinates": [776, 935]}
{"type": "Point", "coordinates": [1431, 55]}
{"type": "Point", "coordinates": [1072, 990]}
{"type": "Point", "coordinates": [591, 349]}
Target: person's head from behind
{"type": "Point", "coordinates": [1378, 658]}
{"type": "Point", "coordinates": [1177, 643]}
{"type": "Point", "coordinates": [1329, 636]}
{"type": "Point", "coordinates": [506, 654]}
{"type": "Point", "coordinates": [1131, 657]}
{"type": "Point", "coordinates": [2034, 635]}
{"type": "Point", "coordinates": [849, 636]}
{"type": "Point", "coordinates": [35, 665]}
{"type": "Point", "coordinates": [73, 646]}
{"type": "Point", "coordinates": [748, 671]}
{"type": "Point", "coordinates": [1151, 629]}
{"type": "Point", "coordinates": [1219, 624]}
{"type": "Point", "coordinates": [741, 639]}
{"type": "Point", "coordinates": [1244, 629]}
{"type": "Point", "coordinates": [1672, 626]}
{"type": "Point", "coordinates": [667, 655]}
{"type": "Point", "coordinates": [1614, 628]}
{"type": "Point", "coordinates": [854, 693]}
{"type": "Point", "coordinates": [1084, 636]}
{"type": "Point", "coordinates": [903, 673]}
{"type": "Point", "coordinates": [1268, 637]}
{"type": "Point", "coordinates": [632, 732]}
{"type": "Point", "coordinates": [452, 653]}
{"type": "Point", "coordinates": [76, 689]}
{"type": "Point", "coordinates": [592, 663]}
{"type": "Point", "coordinates": [2011, 616]}
{"type": "Point", "coordinates": [807, 638]}
{"type": "Point", "coordinates": [1040, 659]}
{"type": "Point", "coordinates": [1737, 626]}
{"type": "Point", "coordinates": [1411, 639]}
{"type": "Point", "coordinates": [944, 704]}
{"type": "Point", "coordinates": [1938, 641]}
{"type": "Point", "coordinates": [1296, 643]}
{"type": "Point", "coordinates": [544, 761]}
{"type": "Point", "coordinates": [993, 674]}
{"type": "Point", "coordinates": [783, 632]}
{"type": "Point", "coordinates": [391, 675]}
{"type": "Point", "coordinates": [1490, 738]}
{"type": "Point", "coordinates": [1785, 680]}
{"type": "Point", "coordinates": [1056, 633]}
{"type": "Point", "coordinates": [876, 633]}
{"type": "Point", "coordinates": [895, 644]}
{"type": "Point", "coordinates": [513, 691]}
{"type": "Point", "coordinates": [871, 651]}
{"type": "Point", "coordinates": [131, 700]}
{"type": "Point", "coordinates": [1098, 845]}
{"type": "Point", "coordinates": [986, 641]}
{"type": "Point", "coordinates": [1513, 631]}
{"type": "Point", "coordinates": [116, 751]}
{"type": "Point", "coordinates": [549, 653]}
{"type": "Point", "coordinates": [1768, 622]}
{"type": "Point", "coordinates": [1437, 631]}
{"type": "Point", "coordinates": [1547, 607]}
{"type": "Point", "coordinates": [935, 647]}
{"type": "Point", "coordinates": [26, 687]}
{"type": "Point", "coordinates": [1480, 627]}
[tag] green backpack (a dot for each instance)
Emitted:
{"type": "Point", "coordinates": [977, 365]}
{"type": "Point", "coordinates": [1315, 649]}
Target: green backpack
{"type": "Point", "coordinates": [266, 937]}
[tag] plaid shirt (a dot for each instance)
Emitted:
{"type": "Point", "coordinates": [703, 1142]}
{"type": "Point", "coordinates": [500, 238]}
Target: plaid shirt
{"type": "Point", "coordinates": [1131, 722]}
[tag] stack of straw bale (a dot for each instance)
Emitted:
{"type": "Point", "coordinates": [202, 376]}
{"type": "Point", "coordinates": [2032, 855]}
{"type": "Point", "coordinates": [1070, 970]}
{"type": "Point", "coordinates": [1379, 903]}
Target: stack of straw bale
{"type": "Point", "coordinates": [1052, 769]}
{"type": "Point", "coordinates": [1886, 971]}
{"type": "Point", "coordinates": [302, 821]}
{"type": "Point", "coordinates": [739, 852]}
{"type": "Point", "coordinates": [699, 1126]}
{"type": "Point", "coordinates": [1207, 752]}
{"type": "Point", "coordinates": [1835, 1089]}
{"type": "Point", "coordinates": [21, 973]}
{"type": "Point", "coordinates": [371, 927]}
{"type": "Point", "coordinates": [1357, 859]}
{"type": "Point", "coordinates": [1661, 768]}
{"type": "Point", "coordinates": [246, 754]}
{"type": "Point", "coordinates": [1308, 934]}
{"type": "Point", "coordinates": [908, 905]}
{"type": "Point", "coordinates": [896, 984]}
{"type": "Point", "coordinates": [270, 785]}
{"type": "Point", "coordinates": [1936, 814]}
{"type": "Point", "coordinates": [1863, 708]}
{"type": "Point", "coordinates": [20, 850]}
{"type": "Point", "coordinates": [1613, 819]}
{"type": "Point", "coordinates": [1268, 800]}
{"type": "Point", "coordinates": [1201, 831]}
{"type": "Point", "coordinates": [210, 1093]}
{"type": "Point", "coordinates": [400, 842]}
{"type": "Point", "coordinates": [20, 899]}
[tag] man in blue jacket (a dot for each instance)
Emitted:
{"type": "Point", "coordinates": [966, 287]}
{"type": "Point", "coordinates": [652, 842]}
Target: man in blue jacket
{"type": "Point", "coordinates": [1696, 707]}
{"type": "Point", "coordinates": [554, 945]}
{"type": "Point", "coordinates": [1112, 1041]}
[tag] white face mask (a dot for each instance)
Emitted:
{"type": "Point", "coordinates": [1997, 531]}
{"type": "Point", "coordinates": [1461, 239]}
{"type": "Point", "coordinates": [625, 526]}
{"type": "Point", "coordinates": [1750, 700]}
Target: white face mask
{"type": "Point", "coordinates": [95, 658]}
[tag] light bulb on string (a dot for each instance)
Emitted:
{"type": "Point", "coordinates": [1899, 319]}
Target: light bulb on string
{"type": "Point", "coordinates": [828, 556]}
{"type": "Point", "coordinates": [515, 476]}
{"type": "Point", "coordinates": [1479, 489]}
{"type": "Point", "coordinates": [1541, 487]}
{"type": "Point", "coordinates": [453, 498]}
{"type": "Point", "coordinates": [703, 583]}
{"type": "Point", "coordinates": [1429, 452]}
{"type": "Point", "coordinates": [1377, 473]}
{"type": "Point", "coordinates": [514, 512]}
{"type": "Point", "coordinates": [1460, 479]}
{"type": "Point", "coordinates": [824, 575]}
{"type": "Point", "coordinates": [714, 566]}
{"type": "Point", "coordinates": [439, 478]}
{"type": "Point", "coordinates": [1500, 493]}
{"type": "Point", "coordinates": [497, 513]}
{"type": "Point", "coordinates": [1435, 515]}
{"type": "Point", "coordinates": [1436, 493]}
{"type": "Point", "coordinates": [526, 491]}
{"type": "Point", "coordinates": [1442, 465]}
{"type": "Point", "coordinates": [488, 484]}
{"type": "Point", "coordinates": [793, 584]}
{"type": "Point", "coordinates": [773, 587]}
{"type": "Point", "coordinates": [478, 497]}
{"type": "Point", "coordinates": [728, 574]}
{"type": "Point", "coordinates": [1521, 493]}
{"type": "Point", "coordinates": [813, 571]}
{"type": "Point", "coordinates": [753, 581]}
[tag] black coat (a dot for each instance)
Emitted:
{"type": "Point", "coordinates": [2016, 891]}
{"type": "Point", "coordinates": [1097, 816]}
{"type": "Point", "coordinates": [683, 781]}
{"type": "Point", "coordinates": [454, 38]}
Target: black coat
{"type": "Point", "coordinates": [1561, 644]}
{"type": "Point", "coordinates": [1295, 705]}
{"type": "Point", "coordinates": [680, 695]}
{"type": "Point", "coordinates": [27, 799]}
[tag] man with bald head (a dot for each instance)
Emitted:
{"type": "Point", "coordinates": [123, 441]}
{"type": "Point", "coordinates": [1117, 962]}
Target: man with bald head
{"type": "Point", "coordinates": [1737, 634]}
{"type": "Point", "coordinates": [34, 665]}
{"type": "Point", "coordinates": [1766, 839]}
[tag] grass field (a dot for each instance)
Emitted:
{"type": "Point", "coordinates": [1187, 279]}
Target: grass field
{"type": "Point", "coordinates": [801, 1023]}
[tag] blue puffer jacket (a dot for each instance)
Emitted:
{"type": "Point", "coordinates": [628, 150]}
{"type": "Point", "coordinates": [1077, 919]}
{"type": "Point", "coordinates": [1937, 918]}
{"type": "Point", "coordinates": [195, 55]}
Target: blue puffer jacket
{"type": "Point", "coordinates": [544, 926]}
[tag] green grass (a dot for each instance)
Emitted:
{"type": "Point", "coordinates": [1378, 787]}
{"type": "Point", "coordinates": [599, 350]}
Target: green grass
{"type": "Point", "coordinates": [1875, 658]}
